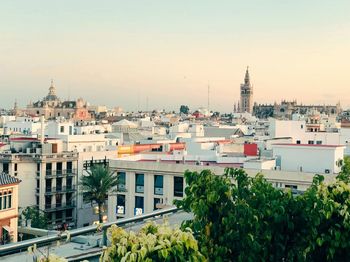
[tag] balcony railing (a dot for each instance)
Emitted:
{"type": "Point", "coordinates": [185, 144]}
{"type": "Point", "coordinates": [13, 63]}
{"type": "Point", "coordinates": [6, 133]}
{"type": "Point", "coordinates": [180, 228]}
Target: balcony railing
{"type": "Point", "coordinates": [47, 240]}
{"type": "Point", "coordinates": [59, 206]}
{"type": "Point", "coordinates": [61, 189]}
{"type": "Point", "coordinates": [60, 173]}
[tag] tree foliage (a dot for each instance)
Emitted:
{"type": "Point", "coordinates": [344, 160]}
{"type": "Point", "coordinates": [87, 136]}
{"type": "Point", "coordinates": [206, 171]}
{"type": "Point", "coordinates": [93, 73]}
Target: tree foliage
{"type": "Point", "coordinates": [38, 218]}
{"type": "Point", "coordinates": [184, 109]}
{"type": "Point", "coordinates": [152, 243]}
{"type": "Point", "coordinates": [238, 218]}
{"type": "Point", "coordinates": [97, 184]}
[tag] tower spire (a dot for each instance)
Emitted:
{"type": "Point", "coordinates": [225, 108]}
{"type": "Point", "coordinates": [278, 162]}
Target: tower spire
{"type": "Point", "coordinates": [247, 77]}
{"type": "Point", "coordinates": [52, 89]}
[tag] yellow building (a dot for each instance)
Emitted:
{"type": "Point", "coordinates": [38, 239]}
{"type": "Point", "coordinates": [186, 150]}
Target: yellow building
{"type": "Point", "coordinates": [8, 208]}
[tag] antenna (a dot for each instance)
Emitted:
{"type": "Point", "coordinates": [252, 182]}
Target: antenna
{"type": "Point", "coordinates": [138, 100]}
{"type": "Point", "coordinates": [208, 97]}
{"type": "Point", "coordinates": [147, 104]}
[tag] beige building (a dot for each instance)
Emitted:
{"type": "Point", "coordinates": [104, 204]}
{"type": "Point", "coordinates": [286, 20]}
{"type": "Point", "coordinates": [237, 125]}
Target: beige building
{"type": "Point", "coordinates": [51, 107]}
{"type": "Point", "coordinates": [49, 178]}
{"type": "Point", "coordinates": [8, 208]}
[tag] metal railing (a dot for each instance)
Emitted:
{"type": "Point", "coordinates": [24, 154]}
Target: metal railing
{"type": "Point", "coordinates": [42, 241]}
{"type": "Point", "coordinates": [60, 173]}
{"type": "Point", "coordinates": [61, 189]}
{"type": "Point", "coordinates": [59, 206]}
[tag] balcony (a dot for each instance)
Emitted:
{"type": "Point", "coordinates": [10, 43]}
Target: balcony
{"type": "Point", "coordinates": [59, 206]}
{"type": "Point", "coordinates": [60, 173]}
{"type": "Point", "coordinates": [60, 190]}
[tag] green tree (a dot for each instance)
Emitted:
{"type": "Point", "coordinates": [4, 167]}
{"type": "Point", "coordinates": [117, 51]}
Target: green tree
{"type": "Point", "coordinates": [152, 243]}
{"type": "Point", "coordinates": [239, 218]}
{"type": "Point", "coordinates": [38, 217]}
{"type": "Point", "coordinates": [245, 220]}
{"type": "Point", "coordinates": [184, 109]}
{"type": "Point", "coordinates": [345, 170]}
{"type": "Point", "coordinates": [327, 219]}
{"type": "Point", "coordinates": [96, 186]}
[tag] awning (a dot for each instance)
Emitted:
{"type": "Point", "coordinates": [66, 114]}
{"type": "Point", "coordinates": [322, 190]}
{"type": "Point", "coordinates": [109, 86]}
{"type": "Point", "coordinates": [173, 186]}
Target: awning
{"type": "Point", "coordinates": [8, 229]}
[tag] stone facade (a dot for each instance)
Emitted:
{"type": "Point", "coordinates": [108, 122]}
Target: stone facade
{"type": "Point", "coordinates": [51, 107]}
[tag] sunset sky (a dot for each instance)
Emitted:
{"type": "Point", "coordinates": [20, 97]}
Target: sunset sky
{"type": "Point", "coordinates": [119, 53]}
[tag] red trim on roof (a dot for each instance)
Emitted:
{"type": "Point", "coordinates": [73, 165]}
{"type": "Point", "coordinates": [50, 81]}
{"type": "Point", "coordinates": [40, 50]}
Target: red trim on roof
{"type": "Point", "coordinates": [308, 145]}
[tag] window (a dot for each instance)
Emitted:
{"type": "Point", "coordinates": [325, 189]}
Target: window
{"type": "Point", "coordinates": [38, 167]}
{"type": "Point", "coordinates": [178, 186]}
{"type": "Point", "coordinates": [62, 129]}
{"type": "Point", "coordinates": [298, 142]}
{"type": "Point", "coordinates": [139, 186]}
{"type": "Point", "coordinates": [69, 167]}
{"type": "Point", "coordinates": [69, 183]}
{"type": "Point", "coordinates": [4, 205]}
{"type": "Point", "coordinates": [9, 199]}
{"type": "Point", "coordinates": [121, 181]}
{"type": "Point", "coordinates": [5, 199]}
{"type": "Point", "coordinates": [5, 167]}
{"type": "Point", "coordinates": [59, 168]}
{"type": "Point", "coordinates": [310, 142]}
{"type": "Point", "coordinates": [139, 206]}
{"type": "Point", "coordinates": [319, 142]}
{"type": "Point", "coordinates": [120, 204]}
{"type": "Point", "coordinates": [16, 167]}
{"type": "Point", "coordinates": [158, 185]}
{"type": "Point", "coordinates": [48, 169]}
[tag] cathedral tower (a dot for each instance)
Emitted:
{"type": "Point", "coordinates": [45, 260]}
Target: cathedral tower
{"type": "Point", "coordinates": [246, 104]}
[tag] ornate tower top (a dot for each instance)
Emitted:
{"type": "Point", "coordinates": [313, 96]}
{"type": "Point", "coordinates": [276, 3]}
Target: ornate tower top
{"type": "Point", "coordinates": [247, 77]}
{"type": "Point", "coordinates": [52, 89]}
{"type": "Point", "coordinates": [51, 96]}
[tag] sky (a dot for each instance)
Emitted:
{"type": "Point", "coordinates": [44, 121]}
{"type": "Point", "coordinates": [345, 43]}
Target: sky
{"type": "Point", "coordinates": [155, 54]}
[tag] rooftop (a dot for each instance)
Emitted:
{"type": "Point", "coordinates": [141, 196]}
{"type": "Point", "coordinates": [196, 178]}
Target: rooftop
{"type": "Point", "coordinates": [6, 179]}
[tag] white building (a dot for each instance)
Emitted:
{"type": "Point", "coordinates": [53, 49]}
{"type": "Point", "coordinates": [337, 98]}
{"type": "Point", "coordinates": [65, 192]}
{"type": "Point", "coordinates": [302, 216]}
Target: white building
{"type": "Point", "coordinates": [309, 158]}
{"type": "Point", "coordinates": [23, 125]}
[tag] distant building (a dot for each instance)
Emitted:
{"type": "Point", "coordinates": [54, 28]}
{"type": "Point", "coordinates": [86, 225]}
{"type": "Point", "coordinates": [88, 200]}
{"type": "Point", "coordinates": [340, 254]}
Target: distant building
{"type": "Point", "coordinates": [246, 103]}
{"type": "Point", "coordinates": [286, 109]}
{"type": "Point", "coordinates": [8, 208]}
{"type": "Point", "coordinates": [51, 107]}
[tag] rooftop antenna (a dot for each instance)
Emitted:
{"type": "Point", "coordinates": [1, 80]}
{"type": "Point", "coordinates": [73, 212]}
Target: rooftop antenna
{"type": "Point", "coordinates": [147, 104]}
{"type": "Point", "coordinates": [208, 97]}
{"type": "Point", "coordinates": [138, 100]}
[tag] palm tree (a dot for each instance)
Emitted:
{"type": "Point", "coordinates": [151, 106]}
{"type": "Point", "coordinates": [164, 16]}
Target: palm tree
{"type": "Point", "coordinates": [97, 184]}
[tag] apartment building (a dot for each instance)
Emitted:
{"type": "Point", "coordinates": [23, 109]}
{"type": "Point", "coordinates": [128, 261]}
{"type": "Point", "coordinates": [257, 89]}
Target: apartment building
{"type": "Point", "coordinates": [49, 178]}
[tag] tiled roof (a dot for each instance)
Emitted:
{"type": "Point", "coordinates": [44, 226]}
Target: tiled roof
{"type": "Point", "coordinates": [6, 179]}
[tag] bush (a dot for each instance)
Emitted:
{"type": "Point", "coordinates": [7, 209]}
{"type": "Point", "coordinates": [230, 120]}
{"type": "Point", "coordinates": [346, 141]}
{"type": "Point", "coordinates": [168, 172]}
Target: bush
{"type": "Point", "coordinates": [152, 243]}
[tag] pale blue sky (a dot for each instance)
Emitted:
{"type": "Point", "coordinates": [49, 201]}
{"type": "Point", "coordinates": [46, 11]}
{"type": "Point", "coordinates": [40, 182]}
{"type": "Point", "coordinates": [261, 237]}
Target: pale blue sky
{"type": "Point", "coordinates": [112, 52]}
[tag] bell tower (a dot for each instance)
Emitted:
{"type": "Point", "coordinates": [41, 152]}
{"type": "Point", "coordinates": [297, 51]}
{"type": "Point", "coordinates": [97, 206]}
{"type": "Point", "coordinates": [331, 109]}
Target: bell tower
{"type": "Point", "coordinates": [246, 104]}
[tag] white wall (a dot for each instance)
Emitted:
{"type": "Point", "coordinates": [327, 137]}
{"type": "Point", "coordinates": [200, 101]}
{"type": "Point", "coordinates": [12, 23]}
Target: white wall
{"type": "Point", "coordinates": [314, 159]}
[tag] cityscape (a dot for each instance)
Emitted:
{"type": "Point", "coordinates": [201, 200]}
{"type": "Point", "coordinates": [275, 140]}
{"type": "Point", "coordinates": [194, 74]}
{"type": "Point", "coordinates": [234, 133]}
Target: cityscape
{"type": "Point", "coordinates": [149, 159]}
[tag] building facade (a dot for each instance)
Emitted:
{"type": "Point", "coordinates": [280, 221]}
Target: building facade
{"type": "Point", "coordinates": [52, 107]}
{"type": "Point", "coordinates": [49, 180]}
